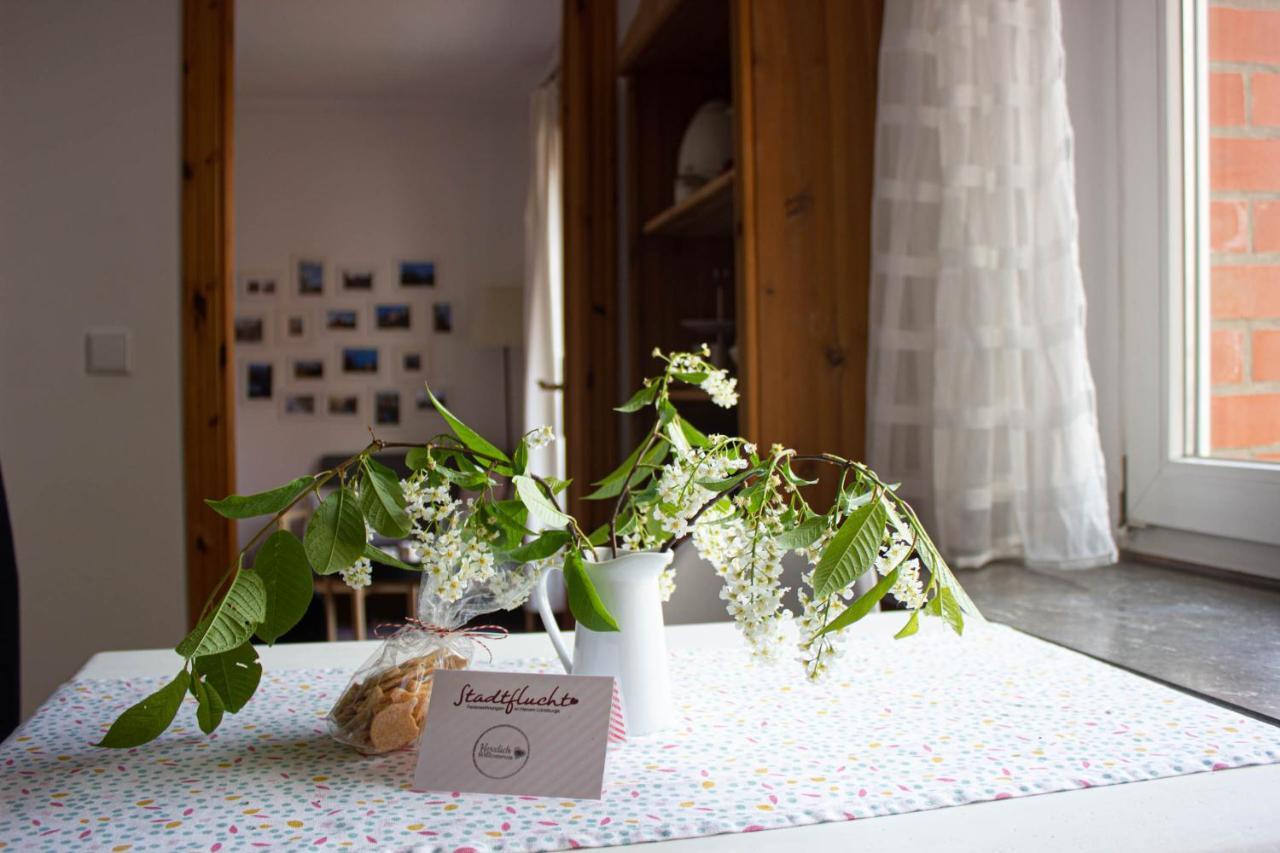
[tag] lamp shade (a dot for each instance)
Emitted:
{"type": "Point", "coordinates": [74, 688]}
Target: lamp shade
{"type": "Point", "coordinates": [499, 317]}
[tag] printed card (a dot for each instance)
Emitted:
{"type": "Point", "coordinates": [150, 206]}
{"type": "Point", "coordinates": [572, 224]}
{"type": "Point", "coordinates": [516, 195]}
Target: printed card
{"type": "Point", "coordinates": [516, 733]}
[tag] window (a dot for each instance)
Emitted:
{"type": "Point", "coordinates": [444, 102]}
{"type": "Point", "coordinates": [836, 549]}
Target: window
{"type": "Point", "coordinates": [1200, 178]}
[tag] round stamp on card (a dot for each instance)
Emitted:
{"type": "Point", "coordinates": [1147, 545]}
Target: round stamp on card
{"type": "Point", "coordinates": [500, 752]}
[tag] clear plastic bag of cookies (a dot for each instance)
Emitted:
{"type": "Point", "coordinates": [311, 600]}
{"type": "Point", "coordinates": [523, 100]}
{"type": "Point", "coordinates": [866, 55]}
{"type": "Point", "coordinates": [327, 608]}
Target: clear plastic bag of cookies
{"type": "Point", "coordinates": [384, 706]}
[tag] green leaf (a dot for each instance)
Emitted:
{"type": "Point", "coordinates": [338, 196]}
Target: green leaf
{"type": "Point", "coordinates": [378, 556]}
{"type": "Point", "coordinates": [864, 604]}
{"type": "Point", "coordinates": [939, 569]}
{"type": "Point", "coordinates": [233, 674]}
{"type": "Point", "coordinates": [382, 500]}
{"type": "Point", "coordinates": [417, 459]}
{"type": "Point", "coordinates": [692, 434]}
{"type": "Point", "coordinates": [951, 610]}
{"type": "Point", "coordinates": [281, 563]}
{"type": "Point", "coordinates": [803, 534]}
{"type": "Point", "coordinates": [520, 459]}
{"type": "Point", "coordinates": [540, 508]}
{"type": "Point", "coordinates": [913, 625]}
{"type": "Point", "coordinates": [599, 536]}
{"type": "Point", "coordinates": [146, 720]}
{"type": "Point", "coordinates": [728, 483]}
{"type": "Point", "coordinates": [584, 601]}
{"type": "Point", "coordinates": [234, 620]}
{"type": "Point", "coordinates": [544, 546]}
{"type": "Point", "coordinates": [263, 503]}
{"type": "Point", "coordinates": [466, 434]}
{"type": "Point", "coordinates": [611, 485]}
{"type": "Point", "coordinates": [209, 711]}
{"type": "Point", "coordinates": [557, 485]}
{"type": "Point", "coordinates": [691, 378]}
{"type": "Point", "coordinates": [792, 477]}
{"type": "Point", "coordinates": [335, 535]}
{"type": "Point", "coordinates": [474, 481]}
{"type": "Point", "coordinates": [851, 551]}
{"type": "Point", "coordinates": [644, 397]}
{"type": "Point", "coordinates": [512, 517]}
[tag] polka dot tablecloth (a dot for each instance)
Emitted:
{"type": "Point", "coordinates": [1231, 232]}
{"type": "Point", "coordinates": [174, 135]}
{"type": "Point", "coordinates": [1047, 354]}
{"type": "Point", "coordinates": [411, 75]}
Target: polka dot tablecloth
{"type": "Point", "coordinates": [923, 723]}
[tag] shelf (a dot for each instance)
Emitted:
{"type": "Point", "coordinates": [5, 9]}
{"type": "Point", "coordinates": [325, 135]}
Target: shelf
{"type": "Point", "coordinates": [677, 36]}
{"type": "Point", "coordinates": [706, 213]}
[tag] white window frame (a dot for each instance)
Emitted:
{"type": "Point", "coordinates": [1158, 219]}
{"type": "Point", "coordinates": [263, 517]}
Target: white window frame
{"type": "Point", "coordinates": [1178, 504]}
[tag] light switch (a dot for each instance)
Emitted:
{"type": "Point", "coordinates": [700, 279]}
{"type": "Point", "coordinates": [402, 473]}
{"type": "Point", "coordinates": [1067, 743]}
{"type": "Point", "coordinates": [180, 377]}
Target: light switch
{"type": "Point", "coordinates": [106, 351]}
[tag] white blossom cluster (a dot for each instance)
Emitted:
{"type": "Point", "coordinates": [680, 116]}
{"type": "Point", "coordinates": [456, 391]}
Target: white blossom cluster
{"type": "Point", "coordinates": [512, 586]}
{"type": "Point", "coordinates": [540, 437]}
{"type": "Point", "coordinates": [818, 651]}
{"type": "Point", "coordinates": [680, 497]}
{"type": "Point", "coordinates": [746, 555]}
{"type": "Point", "coordinates": [454, 555]}
{"type": "Point", "coordinates": [721, 387]}
{"type": "Point", "coordinates": [899, 540]}
{"type": "Point", "coordinates": [360, 574]}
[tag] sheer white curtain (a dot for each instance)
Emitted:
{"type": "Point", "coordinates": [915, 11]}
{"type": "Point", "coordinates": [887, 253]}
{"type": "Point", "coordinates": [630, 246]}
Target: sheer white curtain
{"type": "Point", "coordinates": [544, 280]}
{"type": "Point", "coordinates": [981, 402]}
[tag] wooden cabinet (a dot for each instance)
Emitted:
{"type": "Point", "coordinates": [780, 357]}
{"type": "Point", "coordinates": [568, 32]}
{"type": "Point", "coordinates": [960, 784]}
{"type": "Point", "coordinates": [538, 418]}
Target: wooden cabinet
{"type": "Point", "coordinates": [777, 249]}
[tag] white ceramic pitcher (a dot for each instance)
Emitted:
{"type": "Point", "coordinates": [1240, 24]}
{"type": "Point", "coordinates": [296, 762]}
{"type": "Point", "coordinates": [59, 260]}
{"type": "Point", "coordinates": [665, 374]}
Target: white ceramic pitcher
{"type": "Point", "coordinates": [636, 654]}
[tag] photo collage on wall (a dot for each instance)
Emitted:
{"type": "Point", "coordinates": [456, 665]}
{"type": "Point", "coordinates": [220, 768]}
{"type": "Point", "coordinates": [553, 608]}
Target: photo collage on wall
{"type": "Point", "coordinates": [339, 342]}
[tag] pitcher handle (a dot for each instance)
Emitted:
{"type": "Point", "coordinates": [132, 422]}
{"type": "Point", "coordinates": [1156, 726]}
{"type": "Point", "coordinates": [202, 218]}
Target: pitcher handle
{"type": "Point", "coordinates": [549, 623]}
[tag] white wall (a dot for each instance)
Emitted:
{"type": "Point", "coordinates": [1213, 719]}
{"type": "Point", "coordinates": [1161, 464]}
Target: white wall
{"type": "Point", "coordinates": [369, 183]}
{"type": "Point", "coordinates": [89, 206]}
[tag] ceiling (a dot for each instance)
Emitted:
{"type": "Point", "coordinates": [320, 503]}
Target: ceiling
{"type": "Point", "coordinates": [394, 49]}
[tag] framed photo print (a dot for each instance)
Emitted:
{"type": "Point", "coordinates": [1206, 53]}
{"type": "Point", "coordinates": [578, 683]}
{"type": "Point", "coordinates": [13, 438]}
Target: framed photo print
{"type": "Point", "coordinates": [298, 404]}
{"type": "Point", "coordinates": [411, 362]}
{"type": "Point", "coordinates": [392, 318]}
{"type": "Point", "coordinates": [343, 404]}
{"type": "Point", "coordinates": [359, 360]}
{"type": "Point", "coordinates": [342, 319]}
{"type": "Point", "coordinates": [295, 326]}
{"type": "Point", "coordinates": [309, 368]}
{"type": "Point", "coordinates": [356, 279]}
{"type": "Point", "coordinates": [417, 273]}
{"type": "Point", "coordinates": [251, 329]}
{"type": "Point", "coordinates": [258, 378]}
{"type": "Point", "coordinates": [386, 408]}
{"type": "Point", "coordinates": [254, 285]}
{"type": "Point", "coordinates": [442, 317]}
{"type": "Point", "coordinates": [308, 276]}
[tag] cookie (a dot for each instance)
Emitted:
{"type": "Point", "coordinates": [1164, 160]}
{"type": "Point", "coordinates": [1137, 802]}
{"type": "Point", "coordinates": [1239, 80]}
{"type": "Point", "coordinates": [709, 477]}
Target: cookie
{"type": "Point", "coordinates": [393, 727]}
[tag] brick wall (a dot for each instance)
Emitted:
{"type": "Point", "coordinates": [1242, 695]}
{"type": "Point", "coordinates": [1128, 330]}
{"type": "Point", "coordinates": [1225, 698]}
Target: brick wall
{"type": "Point", "coordinates": [1244, 227]}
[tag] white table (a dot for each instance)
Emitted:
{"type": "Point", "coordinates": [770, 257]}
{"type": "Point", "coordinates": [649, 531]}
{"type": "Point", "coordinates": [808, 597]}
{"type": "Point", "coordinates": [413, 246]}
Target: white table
{"type": "Point", "coordinates": [1227, 810]}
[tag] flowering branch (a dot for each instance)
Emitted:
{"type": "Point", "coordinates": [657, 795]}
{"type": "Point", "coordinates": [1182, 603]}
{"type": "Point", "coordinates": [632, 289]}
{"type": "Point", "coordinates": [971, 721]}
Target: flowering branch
{"type": "Point", "coordinates": [743, 510]}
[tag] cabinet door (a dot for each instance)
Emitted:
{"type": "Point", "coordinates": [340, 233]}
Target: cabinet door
{"type": "Point", "coordinates": [805, 80]}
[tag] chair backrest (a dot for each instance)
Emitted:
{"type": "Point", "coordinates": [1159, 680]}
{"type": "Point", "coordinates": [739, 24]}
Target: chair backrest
{"type": "Point", "coordinates": [9, 656]}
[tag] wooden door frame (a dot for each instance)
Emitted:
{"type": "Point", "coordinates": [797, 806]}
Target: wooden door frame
{"type": "Point", "coordinates": [588, 115]}
{"type": "Point", "coordinates": [589, 126]}
{"type": "Point", "coordinates": [208, 376]}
